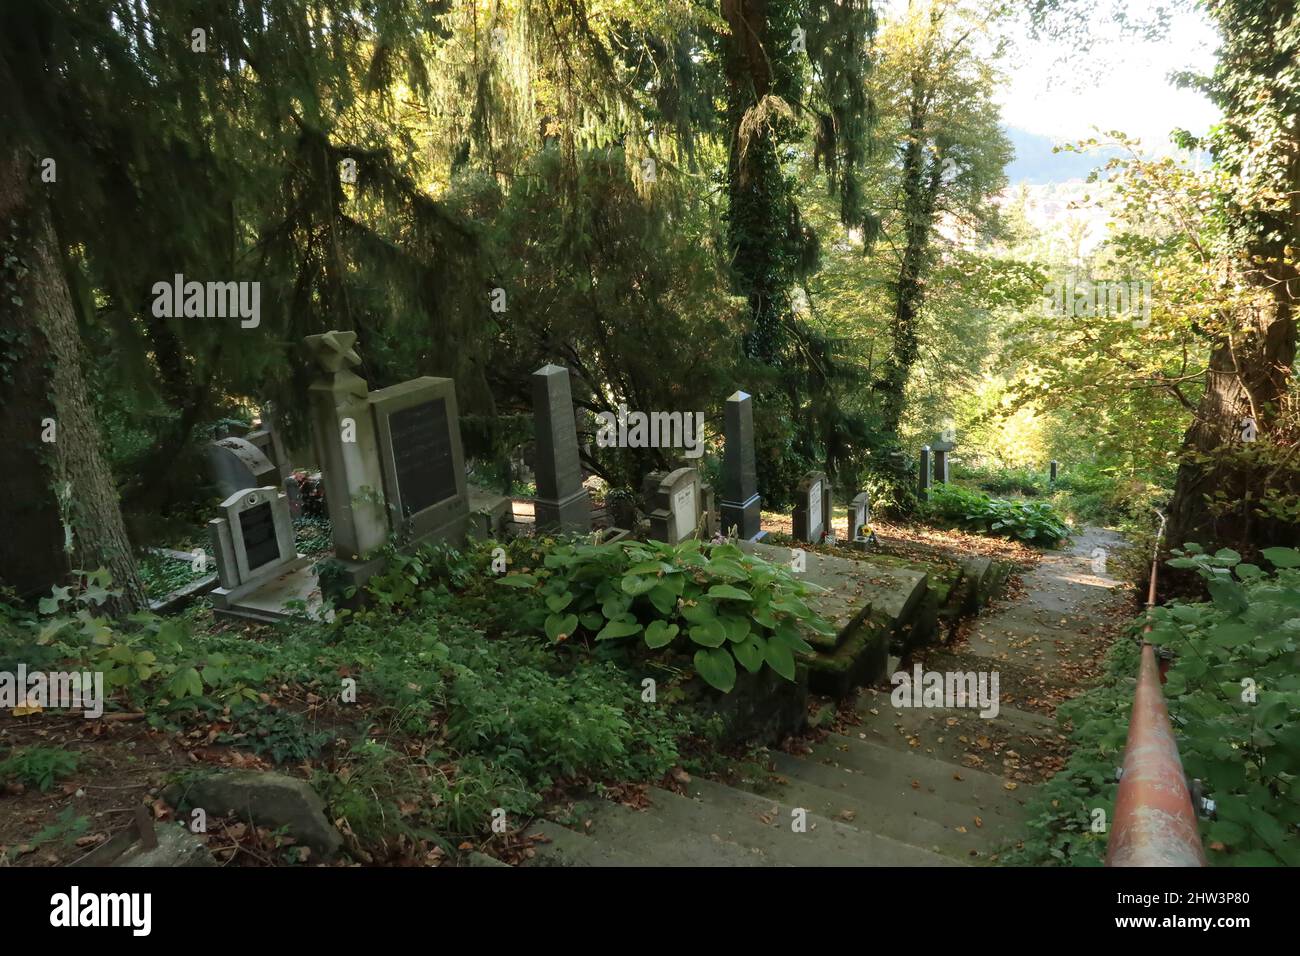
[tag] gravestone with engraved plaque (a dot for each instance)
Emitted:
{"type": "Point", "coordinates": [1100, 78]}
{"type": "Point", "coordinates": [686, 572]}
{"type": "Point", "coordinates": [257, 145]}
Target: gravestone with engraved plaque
{"type": "Point", "coordinates": [675, 501]}
{"type": "Point", "coordinates": [258, 566]}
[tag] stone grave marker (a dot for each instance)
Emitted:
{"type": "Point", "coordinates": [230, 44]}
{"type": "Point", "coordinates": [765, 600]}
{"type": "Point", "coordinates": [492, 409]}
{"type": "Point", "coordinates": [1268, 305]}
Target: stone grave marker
{"type": "Point", "coordinates": [417, 429]}
{"type": "Point", "coordinates": [812, 508]}
{"type": "Point", "coordinates": [741, 504]}
{"type": "Point", "coordinates": [257, 563]}
{"type": "Point", "coordinates": [860, 534]}
{"type": "Point", "coordinates": [237, 463]}
{"type": "Point", "coordinates": [675, 504]}
{"type": "Point", "coordinates": [941, 449]}
{"type": "Point", "coordinates": [923, 477]}
{"type": "Point", "coordinates": [562, 502]}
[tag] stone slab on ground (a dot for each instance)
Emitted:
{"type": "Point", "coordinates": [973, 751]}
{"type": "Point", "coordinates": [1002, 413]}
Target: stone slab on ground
{"type": "Point", "coordinates": [869, 606]}
{"type": "Point", "coordinates": [265, 799]}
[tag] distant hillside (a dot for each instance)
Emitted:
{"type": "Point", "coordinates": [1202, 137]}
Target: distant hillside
{"type": "Point", "coordinates": [1036, 164]}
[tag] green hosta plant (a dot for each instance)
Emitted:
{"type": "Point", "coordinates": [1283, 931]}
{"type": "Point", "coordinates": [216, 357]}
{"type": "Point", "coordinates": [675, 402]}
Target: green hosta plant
{"type": "Point", "coordinates": [1031, 521]}
{"type": "Point", "coordinates": [729, 608]}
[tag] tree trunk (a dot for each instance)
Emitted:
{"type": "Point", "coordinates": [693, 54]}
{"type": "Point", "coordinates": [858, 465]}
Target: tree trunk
{"type": "Point", "coordinates": [65, 510]}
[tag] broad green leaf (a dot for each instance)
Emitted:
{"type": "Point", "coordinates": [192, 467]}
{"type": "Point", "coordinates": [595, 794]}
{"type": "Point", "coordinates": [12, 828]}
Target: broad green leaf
{"type": "Point", "coordinates": [780, 658]}
{"type": "Point", "coordinates": [558, 602]}
{"type": "Point", "coordinates": [729, 592]}
{"type": "Point", "coordinates": [660, 634]}
{"type": "Point", "coordinates": [561, 626]}
{"type": "Point", "coordinates": [1281, 557]}
{"type": "Point", "coordinates": [709, 634]}
{"type": "Point", "coordinates": [750, 652]}
{"type": "Point", "coordinates": [617, 629]}
{"type": "Point", "coordinates": [518, 580]}
{"type": "Point", "coordinates": [717, 667]}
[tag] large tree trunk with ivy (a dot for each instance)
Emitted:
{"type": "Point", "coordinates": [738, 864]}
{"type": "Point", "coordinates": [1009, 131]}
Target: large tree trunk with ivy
{"type": "Point", "coordinates": [63, 511]}
{"type": "Point", "coordinates": [920, 186]}
{"type": "Point", "coordinates": [1232, 491]}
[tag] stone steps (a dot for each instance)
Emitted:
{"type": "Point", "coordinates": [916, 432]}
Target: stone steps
{"type": "Point", "coordinates": [716, 825]}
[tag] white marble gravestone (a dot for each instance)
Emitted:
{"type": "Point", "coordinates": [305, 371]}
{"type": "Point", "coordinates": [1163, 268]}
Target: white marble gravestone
{"type": "Point", "coordinates": [676, 502]}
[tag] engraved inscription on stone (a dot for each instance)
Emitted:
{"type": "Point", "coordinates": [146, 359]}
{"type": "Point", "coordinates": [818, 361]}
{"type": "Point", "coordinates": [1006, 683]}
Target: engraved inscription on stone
{"type": "Point", "coordinates": [815, 511]}
{"type": "Point", "coordinates": [422, 456]}
{"type": "Point", "coordinates": [684, 512]}
{"type": "Point", "coordinates": [258, 528]}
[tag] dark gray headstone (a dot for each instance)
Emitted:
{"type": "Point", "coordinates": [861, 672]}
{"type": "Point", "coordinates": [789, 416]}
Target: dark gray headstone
{"type": "Point", "coordinates": [923, 479]}
{"type": "Point", "coordinates": [741, 504]}
{"type": "Point", "coordinates": [561, 500]}
{"type": "Point", "coordinates": [1052, 476]}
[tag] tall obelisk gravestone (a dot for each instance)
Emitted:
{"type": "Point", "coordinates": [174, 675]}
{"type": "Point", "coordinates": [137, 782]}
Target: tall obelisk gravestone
{"type": "Point", "coordinates": [741, 504]}
{"type": "Point", "coordinates": [561, 500]}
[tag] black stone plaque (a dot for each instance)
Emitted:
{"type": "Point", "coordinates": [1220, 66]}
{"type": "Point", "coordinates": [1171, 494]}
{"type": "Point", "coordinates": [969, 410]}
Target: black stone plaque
{"type": "Point", "coordinates": [422, 459]}
{"type": "Point", "coordinates": [258, 528]}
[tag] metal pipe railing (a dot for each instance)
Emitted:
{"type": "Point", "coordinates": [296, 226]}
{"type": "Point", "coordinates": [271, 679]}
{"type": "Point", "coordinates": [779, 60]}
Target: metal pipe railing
{"type": "Point", "coordinates": [1155, 821]}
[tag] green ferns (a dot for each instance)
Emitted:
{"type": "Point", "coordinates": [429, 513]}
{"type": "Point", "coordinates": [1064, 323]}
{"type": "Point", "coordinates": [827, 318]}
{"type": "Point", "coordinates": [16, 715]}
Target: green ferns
{"type": "Point", "coordinates": [730, 607]}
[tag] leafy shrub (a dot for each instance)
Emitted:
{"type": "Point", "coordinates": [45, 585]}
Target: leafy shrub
{"type": "Point", "coordinates": [39, 767]}
{"type": "Point", "coordinates": [1247, 753]}
{"type": "Point", "coordinates": [1013, 481]}
{"type": "Point", "coordinates": [1036, 522]}
{"type": "Point", "coordinates": [733, 607]}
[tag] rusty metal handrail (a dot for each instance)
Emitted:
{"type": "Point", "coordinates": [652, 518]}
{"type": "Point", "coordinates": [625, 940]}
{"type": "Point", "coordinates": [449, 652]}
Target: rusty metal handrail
{"type": "Point", "coordinates": [1155, 821]}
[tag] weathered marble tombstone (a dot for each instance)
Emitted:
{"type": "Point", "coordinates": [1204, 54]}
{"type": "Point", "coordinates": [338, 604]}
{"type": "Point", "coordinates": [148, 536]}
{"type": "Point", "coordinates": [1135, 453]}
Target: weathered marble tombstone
{"type": "Point", "coordinates": [709, 508]}
{"type": "Point", "coordinates": [813, 508]}
{"type": "Point", "coordinates": [741, 504]}
{"type": "Point", "coordinates": [562, 502]}
{"type": "Point", "coordinates": [392, 459]}
{"type": "Point", "coordinates": [257, 561]}
{"type": "Point", "coordinates": [267, 439]}
{"type": "Point", "coordinates": [675, 504]}
{"type": "Point", "coordinates": [860, 534]}
{"type": "Point", "coordinates": [941, 448]}
{"type": "Point", "coordinates": [923, 478]}
{"type": "Point", "coordinates": [237, 463]}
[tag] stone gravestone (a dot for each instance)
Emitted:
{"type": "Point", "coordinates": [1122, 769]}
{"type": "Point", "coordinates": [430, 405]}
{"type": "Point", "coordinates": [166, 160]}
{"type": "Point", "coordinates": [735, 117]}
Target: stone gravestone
{"type": "Point", "coordinates": [675, 503]}
{"type": "Point", "coordinates": [812, 508]}
{"type": "Point", "coordinates": [236, 463]}
{"type": "Point", "coordinates": [562, 502]}
{"type": "Point", "coordinates": [417, 427]}
{"type": "Point", "coordinates": [346, 448]}
{"type": "Point", "coordinates": [923, 478]}
{"type": "Point", "coordinates": [860, 533]}
{"type": "Point", "coordinates": [392, 459]}
{"type": "Point", "coordinates": [741, 504]}
{"type": "Point", "coordinates": [708, 505]}
{"type": "Point", "coordinates": [257, 561]}
{"type": "Point", "coordinates": [941, 449]}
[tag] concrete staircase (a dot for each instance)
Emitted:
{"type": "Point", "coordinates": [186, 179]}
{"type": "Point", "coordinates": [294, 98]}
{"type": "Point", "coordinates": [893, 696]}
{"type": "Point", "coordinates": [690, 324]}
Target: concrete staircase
{"type": "Point", "coordinates": [868, 798]}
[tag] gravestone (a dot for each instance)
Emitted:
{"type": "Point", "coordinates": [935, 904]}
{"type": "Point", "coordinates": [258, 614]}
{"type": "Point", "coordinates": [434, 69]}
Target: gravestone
{"type": "Point", "coordinates": [347, 450]}
{"type": "Point", "coordinates": [741, 504]}
{"type": "Point", "coordinates": [1052, 472]}
{"type": "Point", "coordinates": [237, 463]}
{"type": "Point", "coordinates": [860, 534]}
{"type": "Point", "coordinates": [813, 508]}
{"type": "Point", "coordinates": [258, 566]}
{"type": "Point", "coordinates": [675, 504]}
{"type": "Point", "coordinates": [417, 429]}
{"type": "Point", "coordinates": [392, 459]}
{"type": "Point", "coordinates": [267, 439]}
{"type": "Point", "coordinates": [709, 507]}
{"type": "Point", "coordinates": [562, 502]}
{"type": "Point", "coordinates": [941, 449]}
{"type": "Point", "coordinates": [923, 479]}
